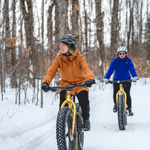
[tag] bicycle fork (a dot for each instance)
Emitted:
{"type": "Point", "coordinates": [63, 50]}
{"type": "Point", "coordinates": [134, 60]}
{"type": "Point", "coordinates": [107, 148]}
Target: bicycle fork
{"type": "Point", "coordinates": [121, 92]}
{"type": "Point", "coordinates": [72, 106]}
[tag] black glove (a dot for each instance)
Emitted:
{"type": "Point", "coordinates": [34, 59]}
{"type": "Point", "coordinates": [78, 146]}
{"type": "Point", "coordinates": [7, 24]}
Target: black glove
{"type": "Point", "coordinates": [89, 83]}
{"type": "Point", "coordinates": [45, 87]}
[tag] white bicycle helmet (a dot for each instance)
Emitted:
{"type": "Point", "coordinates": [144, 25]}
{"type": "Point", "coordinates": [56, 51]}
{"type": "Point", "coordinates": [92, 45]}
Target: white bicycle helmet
{"type": "Point", "coordinates": [122, 49]}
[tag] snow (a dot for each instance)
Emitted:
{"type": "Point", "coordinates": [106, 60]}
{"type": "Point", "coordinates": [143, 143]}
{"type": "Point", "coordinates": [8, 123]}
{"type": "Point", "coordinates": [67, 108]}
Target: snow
{"type": "Point", "coordinates": [28, 127]}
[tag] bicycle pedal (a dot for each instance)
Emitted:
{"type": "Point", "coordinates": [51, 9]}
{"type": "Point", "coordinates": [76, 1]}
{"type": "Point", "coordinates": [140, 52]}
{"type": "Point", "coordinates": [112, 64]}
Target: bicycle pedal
{"type": "Point", "coordinates": [82, 129]}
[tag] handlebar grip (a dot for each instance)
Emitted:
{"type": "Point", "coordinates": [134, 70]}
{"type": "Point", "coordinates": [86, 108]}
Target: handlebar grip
{"type": "Point", "coordinates": [94, 82]}
{"type": "Point", "coordinates": [52, 89]}
{"type": "Point", "coordinates": [110, 81]}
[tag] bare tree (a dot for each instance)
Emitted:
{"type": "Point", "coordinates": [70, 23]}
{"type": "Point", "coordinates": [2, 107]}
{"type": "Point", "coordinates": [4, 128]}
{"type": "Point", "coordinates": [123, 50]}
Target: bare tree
{"type": "Point", "coordinates": [147, 37]}
{"type": "Point", "coordinates": [80, 39]}
{"type": "Point", "coordinates": [50, 33]}
{"type": "Point", "coordinates": [29, 30]}
{"type": "Point", "coordinates": [13, 49]}
{"type": "Point", "coordinates": [21, 60]}
{"type": "Point", "coordinates": [75, 17]}
{"type": "Point", "coordinates": [6, 32]}
{"type": "Point", "coordinates": [1, 72]}
{"type": "Point", "coordinates": [141, 23]}
{"type": "Point", "coordinates": [131, 26]}
{"type": "Point", "coordinates": [86, 30]}
{"type": "Point", "coordinates": [57, 22]}
{"type": "Point", "coordinates": [114, 28]}
{"type": "Point", "coordinates": [42, 50]}
{"type": "Point", "coordinates": [1, 60]}
{"type": "Point", "coordinates": [62, 12]}
{"type": "Point", "coordinates": [100, 35]}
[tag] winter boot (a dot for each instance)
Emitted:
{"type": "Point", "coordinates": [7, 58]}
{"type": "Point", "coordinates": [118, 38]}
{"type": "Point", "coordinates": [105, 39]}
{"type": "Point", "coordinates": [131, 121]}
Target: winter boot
{"type": "Point", "coordinates": [130, 112]}
{"type": "Point", "coordinates": [115, 108]}
{"type": "Point", "coordinates": [87, 125]}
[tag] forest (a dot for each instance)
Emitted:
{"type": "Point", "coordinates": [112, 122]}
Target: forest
{"type": "Point", "coordinates": [30, 29]}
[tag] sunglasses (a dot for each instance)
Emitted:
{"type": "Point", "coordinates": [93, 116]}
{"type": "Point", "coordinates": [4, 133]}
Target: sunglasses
{"type": "Point", "coordinates": [121, 53]}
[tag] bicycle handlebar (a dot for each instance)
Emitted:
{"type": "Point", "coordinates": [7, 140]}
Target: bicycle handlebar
{"type": "Point", "coordinates": [53, 89]}
{"type": "Point", "coordinates": [119, 81]}
{"type": "Point", "coordinates": [110, 81]}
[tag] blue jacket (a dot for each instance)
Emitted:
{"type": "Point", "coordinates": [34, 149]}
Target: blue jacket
{"type": "Point", "coordinates": [122, 68]}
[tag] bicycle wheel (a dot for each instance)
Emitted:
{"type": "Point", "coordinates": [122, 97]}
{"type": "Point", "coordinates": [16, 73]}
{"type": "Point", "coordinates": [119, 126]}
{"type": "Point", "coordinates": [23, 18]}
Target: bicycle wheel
{"type": "Point", "coordinates": [80, 128]}
{"type": "Point", "coordinates": [65, 140]}
{"type": "Point", "coordinates": [122, 119]}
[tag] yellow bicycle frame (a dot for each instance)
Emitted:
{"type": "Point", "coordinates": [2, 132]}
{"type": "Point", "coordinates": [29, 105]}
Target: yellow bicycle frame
{"type": "Point", "coordinates": [121, 91]}
{"type": "Point", "coordinates": [72, 106]}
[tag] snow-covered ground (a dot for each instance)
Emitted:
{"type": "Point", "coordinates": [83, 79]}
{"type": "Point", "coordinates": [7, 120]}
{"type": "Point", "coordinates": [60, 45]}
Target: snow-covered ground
{"type": "Point", "coordinates": [28, 127]}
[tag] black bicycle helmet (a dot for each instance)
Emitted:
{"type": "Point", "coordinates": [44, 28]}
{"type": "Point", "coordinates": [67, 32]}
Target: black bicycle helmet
{"type": "Point", "coordinates": [69, 40]}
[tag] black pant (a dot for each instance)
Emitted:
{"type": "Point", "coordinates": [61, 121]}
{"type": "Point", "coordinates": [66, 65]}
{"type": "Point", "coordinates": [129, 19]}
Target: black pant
{"type": "Point", "coordinates": [83, 102]}
{"type": "Point", "coordinates": [127, 87]}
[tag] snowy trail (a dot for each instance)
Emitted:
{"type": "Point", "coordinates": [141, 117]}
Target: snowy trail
{"type": "Point", "coordinates": [44, 140]}
{"type": "Point", "coordinates": [38, 132]}
{"type": "Point", "coordinates": [105, 133]}
{"type": "Point", "coordinates": [37, 136]}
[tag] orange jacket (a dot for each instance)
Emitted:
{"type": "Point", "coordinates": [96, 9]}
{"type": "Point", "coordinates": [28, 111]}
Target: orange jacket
{"type": "Point", "coordinates": [73, 71]}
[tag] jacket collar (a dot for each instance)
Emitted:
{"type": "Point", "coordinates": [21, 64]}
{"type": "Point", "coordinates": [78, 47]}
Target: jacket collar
{"type": "Point", "coordinates": [124, 59]}
{"type": "Point", "coordinates": [69, 58]}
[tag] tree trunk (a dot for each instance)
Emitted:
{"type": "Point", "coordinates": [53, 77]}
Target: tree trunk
{"type": "Point", "coordinates": [75, 17]}
{"type": "Point", "coordinates": [147, 38]}
{"type": "Point", "coordinates": [29, 30]}
{"type": "Point", "coordinates": [86, 32]}
{"type": "Point", "coordinates": [57, 22]}
{"type": "Point", "coordinates": [131, 28]}
{"type": "Point", "coordinates": [62, 12]}
{"type": "Point", "coordinates": [114, 29]}
{"type": "Point", "coordinates": [50, 30]}
{"type": "Point", "coordinates": [100, 36]}
{"type": "Point", "coordinates": [7, 34]}
{"type": "Point", "coordinates": [1, 70]}
{"type": "Point", "coordinates": [133, 31]}
{"type": "Point", "coordinates": [42, 51]}
{"type": "Point", "coordinates": [21, 62]}
{"type": "Point", "coordinates": [141, 23]}
{"type": "Point", "coordinates": [1, 60]}
{"type": "Point", "coordinates": [80, 39]}
{"type": "Point", "coordinates": [13, 47]}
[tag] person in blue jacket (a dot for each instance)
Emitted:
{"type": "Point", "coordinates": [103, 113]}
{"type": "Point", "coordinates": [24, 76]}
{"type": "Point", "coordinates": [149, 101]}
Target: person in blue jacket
{"type": "Point", "coordinates": [123, 67]}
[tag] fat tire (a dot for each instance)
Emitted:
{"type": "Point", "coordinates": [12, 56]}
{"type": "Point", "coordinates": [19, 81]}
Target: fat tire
{"type": "Point", "coordinates": [64, 141]}
{"type": "Point", "coordinates": [122, 119]}
{"type": "Point", "coordinates": [79, 128]}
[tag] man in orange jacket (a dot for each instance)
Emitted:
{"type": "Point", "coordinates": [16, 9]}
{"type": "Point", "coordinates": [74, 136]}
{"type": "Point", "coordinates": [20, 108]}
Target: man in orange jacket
{"type": "Point", "coordinates": [74, 70]}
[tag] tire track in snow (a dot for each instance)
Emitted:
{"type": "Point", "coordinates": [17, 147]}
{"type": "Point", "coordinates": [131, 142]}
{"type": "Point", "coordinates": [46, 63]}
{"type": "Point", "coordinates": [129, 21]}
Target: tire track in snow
{"type": "Point", "coordinates": [23, 140]}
